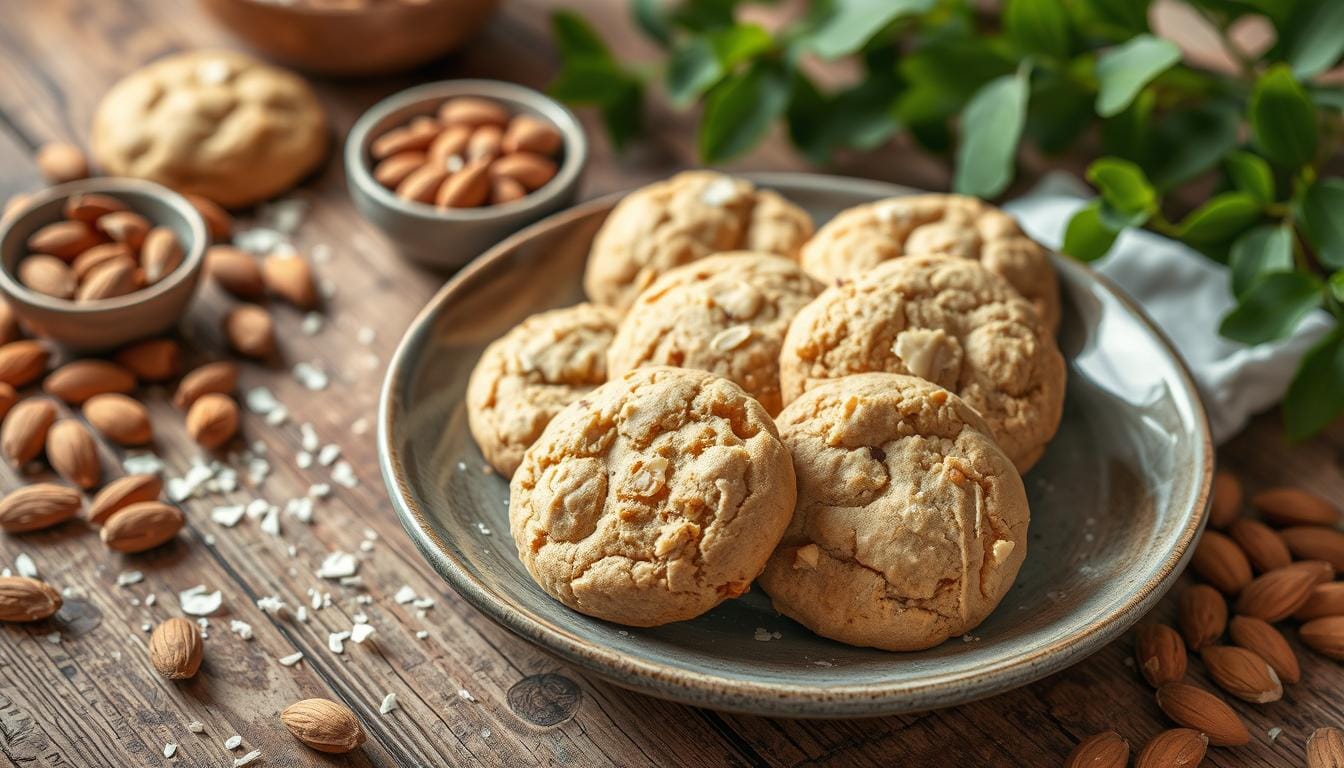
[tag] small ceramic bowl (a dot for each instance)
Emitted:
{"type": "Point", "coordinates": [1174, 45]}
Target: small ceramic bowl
{"type": "Point", "coordinates": [447, 239]}
{"type": "Point", "coordinates": [106, 323]}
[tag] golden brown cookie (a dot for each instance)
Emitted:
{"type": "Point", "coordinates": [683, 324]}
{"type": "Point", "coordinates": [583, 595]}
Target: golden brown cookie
{"type": "Point", "coordinates": [684, 218]}
{"type": "Point", "coordinates": [947, 320]}
{"type": "Point", "coordinates": [911, 523]}
{"type": "Point", "coordinates": [652, 499]}
{"type": "Point", "coordinates": [726, 314]}
{"type": "Point", "coordinates": [527, 375]}
{"type": "Point", "coordinates": [213, 123]}
{"type": "Point", "coordinates": [860, 238]}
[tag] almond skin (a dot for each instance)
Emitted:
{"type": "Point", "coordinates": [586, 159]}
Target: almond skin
{"type": "Point", "coordinates": [1268, 643]}
{"type": "Point", "coordinates": [484, 143]}
{"type": "Point", "coordinates": [393, 170]}
{"type": "Point", "coordinates": [212, 420]}
{"type": "Point", "coordinates": [1325, 600]}
{"type": "Point", "coordinates": [1324, 636]}
{"type": "Point", "coordinates": [1325, 748]}
{"type": "Point", "coordinates": [505, 190]}
{"type": "Point", "coordinates": [1175, 748]}
{"type": "Point", "coordinates": [9, 324]}
{"type": "Point", "coordinates": [473, 111]}
{"type": "Point", "coordinates": [73, 453]}
{"type": "Point", "coordinates": [60, 162]}
{"type": "Point", "coordinates": [528, 169]}
{"type": "Point", "coordinates": [89, 206]}
{"type": "Point", "coordinates": [108, 280]}
{"type": "Point", "coordinates": [37, 506]}
{"type": "Point", "coordinates": [126, 227]}
{"type": "Point", "coordinates": [63, 239]}
{"type": "Point", "coordinates": [1294, 506]}
{"type": "Point", "coordinates": [423, 184]}
{"type": "Point", "coordinates": [175, 649]}
{"type": "Point", "coordinates": [121, 419]}
{"type": "Point", "coordinates": [1320, 570]}
{"type": "Point", "coordinates": [47, 275]}
{"type": "Point", "coordinates": [291, 279]}
{"type": "Point", "coordinates": [8, 398]}
{"type": "Point", "coordinates": [323, 725]}
{"type": "Point", "coordinates": [1262, 546]}
{"type": "Point", "coordinates": [1160, 653]}
{"type": "Point", "coordinates": [1202, 616]}
{"type": "Point", "coordinates": [24, 432]}
{"type": "Point", "coordinates": [79, 380]}
{"type": "Point", "coordinates": [160, 254]}
{"type": "Point", "coordinates": [22, 362]}
{"type": "Point", "coordinates": [141, 526]}
{"type": "Point", "coordinates": [236, 271]}
{"type": "Point", "coordinates": [1275, 595]}
{"type": "Point", "coordinates": [1242, 673]}
{"type": "Point", "coordinates": [121, 493]}
{"type": "Point", "coordinates": [217, 220]}
{"type": "Point", "coordinates": [220, 378]}
{"type": "Point", "coordinates": [1219, 561]}
{"type": "Point", "coordinates": [1199, 710]}
{"type": "Point", "coordinates": [86, 262]}
{"type": "Point", "coordinates": [467, 188]}
{"type": "Point", "coordinates": [529, 134]}
{"type": "Point", "coordinates": [152, 360]}
{"type": "Point", "coordinates": [250, 331]}
{"type": "Point", "coordinates": [1315, 542]}
{"type": "Point", "coordinates": [416, 135]}
{"type": "Point", "coordinates": [1100, 750]}
{"type": "Point", "coordinates": [23, 599]}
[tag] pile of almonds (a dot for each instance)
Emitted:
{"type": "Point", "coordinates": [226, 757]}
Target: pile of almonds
{"type": "Point", "coordinates": [472, 153]}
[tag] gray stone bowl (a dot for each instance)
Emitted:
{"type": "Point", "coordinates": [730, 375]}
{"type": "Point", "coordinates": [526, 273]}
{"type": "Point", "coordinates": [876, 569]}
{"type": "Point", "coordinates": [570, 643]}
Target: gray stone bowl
{"type": "Point", "coordinates": [1116, 501]}
{"type": "Point", "coordinates": [107, 323]}
{"type": "Point", "coordinates": [447, 239]}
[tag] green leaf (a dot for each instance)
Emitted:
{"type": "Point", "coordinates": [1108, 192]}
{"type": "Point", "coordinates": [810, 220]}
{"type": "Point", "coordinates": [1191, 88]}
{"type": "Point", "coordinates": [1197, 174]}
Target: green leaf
{"type": "Point", "coordinates": [1328, 98]}
{"type": "Point", "coordinates": [1313, 38]}
{"type": "Point", "coordinates": [1038, 26]}
{"type": "Point", "coordinates": [1130, 134]}
{"type": "Point", "coordinates": [739, 111]}
{"type": "Point", "coordinates": [1187, 142]}
{"type": "Point", "coordinates": [1088, 236]}
{"type": "Point", "coordinates": [1251, 174]}
{"type": "Point", "coordinates": [1124, 70]}
{"type": "Point", "coordinates": [590, 76]}
{"type": "Point", "coordinates": [1283, 120]}
{"type": "Point", "coordinates": [587, 82]}
{"type": "Point", "coordinates": [1272, 307]}
{"type": "Point", "coordinates": [651, 16]}
{"type": "Point", "coordinates": [701, 61]}
{"type": "Point", "coordinates": [1124, 188]}
{"type": "Point", "coordinates": [1323, 220]}
{"type": "Point", "coordinates": [1112, 19]}
{"type": "Point", "coordinates": [1261, 251]}
{"type": "Point", "coordinates": [1315, 398]}
{"type": "Point", "coordinates": [623, 113]}
{"type": "Point", "coordinates": [1060, 111]}
{"type": "Point", "coordinates": [852, 23]}
{"type": "Point", "coordinates": [1336, 285]}
{"type": "Point", "coordinates": [577, 40]}
{"type": "Point", "coordinates": [991, 127]}
{"type": "Point", "coordinates": [1222, 217]}
{"type": "Point", "coordinates": [862, 117]}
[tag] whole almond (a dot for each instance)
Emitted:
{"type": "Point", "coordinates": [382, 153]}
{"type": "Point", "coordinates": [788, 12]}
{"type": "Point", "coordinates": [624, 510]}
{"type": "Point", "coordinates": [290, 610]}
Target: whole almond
{"type": "Point", "coordinates": [467, 188]}
{"type": "Point", "coordinates": [60, 162]}
{"type": "Point", "coordinates": [473, 111]}
{"type": "Point", "coordinates": [1324, 636]}
{"type": "Point", "coordinates": [505, 190]}
{"type": "Point", "coordinates": [1262, 546]}
{"type": "Point", "coordinates": [291, 279]}
{"type": "Point", "coordinates": [121, 493]}
{"type": "Point", "coordinates": [108, 280]}
{"type": "Point", "coordinates": [1275, 595]}
{"type": "Point", "coordinates": [1268, 643]}
{"type": "Point", "coordinates": [141, 526]}
{"type": "Point", "coordinates": [1242, 673]}
{"type": "Point", "coordinates": [1100, 750]}
{"type": "Point", "coordinates": [1294, 506]}
{"type": "Point", "coordinates": [1320, 570]}
{"type": "Point", "coordinates": [323, 725]}
{"type": "Point", "coordinates": [175, 649]}
{"type": "Point", "coordinates": [1315, 542]}
{"type": "Point", "coordinates": [23, 599]}
{"type": "Point", "coordinates": [37, 506]}
{"type": "Point", "coordinates": [63, 239]}
{"type": "Point", "coordinates": [1325, 600]}
{"type": "Point", "coordinates": [126, 227]}
{"type": "Point", "coordinates": [1176, 748]}
{"type": "Point", "coordinates": [219, 378]}
{"type": "Point", "coordinates": [451, 143]}
{"type": "Point", "coordinates": [99, 255]}
{"type": "Point", "coordinates": [1218, 560]}
{"type": "Point", "coordinates": [8, 397]}
{"type": "Point", "coordinates": [422, 186]}
{"type": "Point", "coordinates": [73, 453]}
{"type": "Point", "coordinates": [212, 420]}
{"type": "Point", "coordinates": [23, 361]}
{"type": "Point", "coordinates": [152, 360]}
{"type": "Point", "coordinates": [218, 222]}
{"type": "Point", "coordinates": [1160, 653]}
{"type": "Point", "coordinates": [24, 432]}
{"type": "Point", "coordinates": [416, 135]}
{"type": "Point", "coordinates": [530, 170]}
{"type": "Point", "coordinates": [236, 271]}
{"type": "Point", "coordinates": [89, 206]}
{"type": "Point", "coordinates": [484, 143]}
{"type": "Point", "coordinates": [79, 380]}
{"type": "Point", "coordinates": [393, 170]}
{"type": "Point", "coordinates": [250, 331]}
{"type": "Point", "coordinates": [121, 419]}
{"type": "Point", "coordinates": [530, 134]}
{"type": "Point", "coordinates": [160, 254]}
{"type": "Point", "coordinates": [47, 275]}
{"type": "Point", "coordinates": [1202, 616]}
{"type": "Point", "coordinates": [1199, 710]}
{"type": "Point", "coordinates": [1325, 748]}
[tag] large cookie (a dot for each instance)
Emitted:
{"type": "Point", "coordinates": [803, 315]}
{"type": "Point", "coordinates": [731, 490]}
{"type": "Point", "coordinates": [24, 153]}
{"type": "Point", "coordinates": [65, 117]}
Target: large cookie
{"type": "Point", "coordinates": [911, 523]}
{"type": "Point", "coordinates": [947, 320]}
{"type": "Point", "coordinates": [726, 314]}
{"type": "Point", "coordinates": [213, 123]}
{"type": "Point", "coordinates": [653, 498]}
{"type": "Point", "coordinates": [684, 218]}
{"type": "Point", "coordinates": [527, 375]}
{"type": "Point", "coordinates": [862, 237]}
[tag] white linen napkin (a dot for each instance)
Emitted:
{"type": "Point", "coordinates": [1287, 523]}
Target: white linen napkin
{"type": "Point", "coordinates": [1186, 294]}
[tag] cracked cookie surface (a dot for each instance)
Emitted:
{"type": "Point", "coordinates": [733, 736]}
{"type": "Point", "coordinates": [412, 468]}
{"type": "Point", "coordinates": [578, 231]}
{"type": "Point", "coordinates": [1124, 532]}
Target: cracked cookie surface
{"type": "Point", "coordinates": [687, 217]}
{"type": "Point", "coordinates": [530, 373]}
{"type": "Point", "coordinates": [725, 314]}
{"type": "Point", "coordinates": [652, 499]}
{"type": "Point", "coordinates": [862, 237]}
{"type": "Point", "coordinates": [949, 321]}
{"type": "Point", "coordinates": [911, 524]}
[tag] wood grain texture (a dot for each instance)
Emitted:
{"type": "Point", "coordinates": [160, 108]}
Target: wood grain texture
{"type": "Point", "coordinates": [92, 699]}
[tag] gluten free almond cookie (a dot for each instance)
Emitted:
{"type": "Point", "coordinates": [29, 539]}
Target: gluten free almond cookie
{"type": "Point", "coordinates": [526, 376]}
{"type": "Point", "coordinates": [653, 498]}
{"type": "Point", "coordinates": [726, 314]}
{"type": "Point", "coordinates": [862, 237]}
{"type": "Point", "coordinates": [911, 524]}
{"type": "Point", "coordinates": [687, 217]}
{"type": "Point", "coordinates": [946, 320]}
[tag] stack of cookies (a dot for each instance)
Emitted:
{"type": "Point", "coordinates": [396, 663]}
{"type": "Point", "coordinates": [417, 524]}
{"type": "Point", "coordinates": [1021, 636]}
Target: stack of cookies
{"type": "Point", "coordinates": [841, 417]}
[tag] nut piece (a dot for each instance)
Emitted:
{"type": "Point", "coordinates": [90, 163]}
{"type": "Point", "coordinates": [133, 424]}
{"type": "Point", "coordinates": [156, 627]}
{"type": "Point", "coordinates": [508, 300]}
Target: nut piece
{"type": "Point", "coordinates": [1175, 748]}
{"type": "Point", "coordinates": [505, 190]}
{"type": "Point", "coordinates": [160, 254]}
{"type": "Point", "coordinates": [152, 360]}
{"type": "Point", "coordinates": [1160, 653]}
{"type": "Point", "coordinates": [416, 135]}
{"type": "Point", "coordinates": [323, 725]}
{"type": "Point", "coordinates": [1320, 570]}
{"type": "Point", "coordinates": [1262, 546]}
{"type": "Point", "coordinates": [423, 184]}
{"type": "Point", "coordinates": [121, 493]}
{"type": "Point", "coordinates": [1202, 711]}
{"type": "Point", "coordinates": [23, 599]}
{"type": "Point", "coordinates": [73, 454]}
{"type": "Point", "coordinates": [217, 220]}
{"type": "Point", "coordinates": [1325, 600]}
{"type": "Point", "coordinates": [1324, 636]}
{"type": "Point", "coordinates": [63, 239]}
{"type": "Point", "coordinates": [112, 278]}
{"type": "Point", "coordinates": [1202, 616]}
{"type": "Point", "coordinates": [1325, 748]}
{"type": "Point", "coordinates": [1219, 561]}
{"type": "Point", "coordinates": [99, 255]}
{"type": "Point", "coordinates": [21, 362]}
{"type": "Point", "coordinates": [532, 171]}
{"type": "Point", "coordinates": [48, 275]}
{"type": "Point", "coordinates": [1275, 595]}
{"type": "Point", "coordinates": [212, 420]}
{"type": "Point", "coordinates": [1242, 673]}
{"type": "Point", "coordinates": [467, 188]}
{"type": "Point", "coordinates": [1293, 506]}
{"type": "Point", "coordinates": [121, 419]}
{"type": "Point", "coordinates": [1315, 542]}
{"type": "Point", "coordinates": [141, 526]}
{"type": "Point", "coordinates": [38, 506]}
{"type": "Point", "coordinates": [236, 271]}
{"type": "Point", "coordinates": [529, 134]}
{"type": "Point", "coordinates": [88, 207]}
{"type": "Point", "coordinates": [1227, 499]}
{"type": "Point", "coordinates": [175, 649]}
{"type": "Point", "coordinates": [60, 162]}
{"type": "Point", "coordinates": [24, 432]}
{"type": "Point", "coordinates": [126, 227]}
{"type": "Point", "coordinates": [290, 278]}
{"type": "Point", "coordinates": [473, 111]}
{"type": "Point", "coordinates": [77, 381]}
{"type": "Point", "coordinates": [484, 143]}
{"type": "Point", "coordinates": [394, 170]}
{"type": "Point", "coordinates": [220, 378]}
{"type": "Point", "coordinates": [1268, 643]}
{"type": "Point", "coordinates": [8, 397]}
{"type": "Point", "coordinates": [1100, 750]}
{"type": "Point", "coordinates": [250, 331]}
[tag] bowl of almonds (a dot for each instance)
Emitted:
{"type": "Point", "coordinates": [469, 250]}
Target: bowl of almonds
{"type": "Point", "coordinates": [448, 169]}
{"type": "Point", "coordinates": [97, 263]}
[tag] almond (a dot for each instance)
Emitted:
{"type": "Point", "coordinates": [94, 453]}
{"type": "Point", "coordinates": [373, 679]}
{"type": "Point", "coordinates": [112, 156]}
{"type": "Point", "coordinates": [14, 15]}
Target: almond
{"type": "Point", "coordinates": [484, 143]}
{"type": "Point", "coordinates": [175, 649]}
{"type": "Point", "coordinates": [73, 454]}
{"type": "Point", "coordinates": [1325, 600]}
{"type": "Point", "coordinates": [77, 381]}
{"type": "Point", "coordinates": [1176, 748]}
{"type": "Point", "coordinates": [1160, 653]}
{"type": "Point", "coordinates": [126, 227]}
{"type": "Point", "coordinates": [1275, 595]}
{"type": "Point", "coordinates": [1268, 643]}
{"type": "Point", "coordinates": [1324, 636]}
{"type": "Point", "coordinates": [121, 419]}
{"type": "Point", "coordinates": [467, 188]}
{"type": "Point", "coordinates": [1320, 570]}
{"type": "Point", "coordinates": [290, 278]}
{"type": "Point", "coordinates": [37, 506]}
{"type": "Point", "coordinates": [1293, 506]}
{"type": "Point", "coordinates": [1315, 542]}
{"type": "Point", "coordinates": [235, 271]}
{"type": "Point", "coordinates": [24, 431]}
{"type": "Point", "coordinates": [121, 493]}
{"type": "Point", "coordinates": [1325, 748]}
{"type": "Point", "coordinates": [451, 143]}
{"type": "Point", "coordinates": [416, 135]}
{"type": "Point", "coordinates": [152, 360]}
{"type": "Point", "coordinates": [63, 239]}
{"type": "Point", "coordinates": [112, 278]}
{"type": "Point", "coordinates": [505, 190]}
{"type": "Point", "coordinates": [393, 170]}
{"type": "Point", "coordinates": [1219, 561]}
{"type": "Point", "coordinates": [1197, 709]}
{"type": "Point", "coordinates": [60, 162]}
{"type": "Point", "coordinates": [530, 170]}
{"type": "Point", "coordinates": [8, 397]}
{"type": "Point", "coordinates": [423, 184]}
{"type": "Point", "coordinates": [323, 725]}
{"type": "Point", "coordinates": [23, 599]}
{"type": "Point", "coordinates": [48, 275]}
{"type": "Point", "coordinates": [141, 526]}
{"type": "Point", "coordinates": [529, 134]}
{"type": "Point", "coordinates": [219, 378]}
{"type": "Point", "coordinates": [218, 222]}
{"type": "Point", "coordinates": [99, 255]}
{"type": "Point", "coordinates": [473, 111]}
{"type": "Point", "coordinates": [14, 204]}
{"type": "Point", "coordinates": [21, 362]}
{"type": "Point", "coordinates": [1242, 673]}
{"type": "Point", "coordinates": [250, 331]}
{"type": "Point", "coordinates": [1262, 546]}
{"type": "Point", "coordinates": [1100, 750]}
{"type": "Point", "coordinates": [1202, 616]}
{"type": "Point", "coordinates": [88, 207]}
{"type": "Point", "coordinates": [160, 254]}
{"type": "Point", "coordinates": [212, 420]}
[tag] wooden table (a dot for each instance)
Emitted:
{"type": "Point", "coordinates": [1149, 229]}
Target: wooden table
{"type": "Point", "coordinates": [468, 691]}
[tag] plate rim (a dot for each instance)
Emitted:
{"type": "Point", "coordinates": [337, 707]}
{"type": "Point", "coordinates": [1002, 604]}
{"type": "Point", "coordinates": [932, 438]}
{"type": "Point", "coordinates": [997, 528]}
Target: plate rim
{"type": "Point", "coordinates": [767, 698]}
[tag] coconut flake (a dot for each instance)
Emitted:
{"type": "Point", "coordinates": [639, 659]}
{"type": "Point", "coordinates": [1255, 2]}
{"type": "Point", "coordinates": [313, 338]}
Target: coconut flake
{"type": "Point", "coordinates": [361, 632]}
{"type": "Point", "coordinates": [233, 742]}
{"type": "Point", "coordinates": [196, 726]}
{"type": "Point", "coordinates": [247, 759]}
{"type": "Point", "coordinates": [344, 474]}
{"type": "Point", "coordinates": [338, 565]}
{"type": "Point", "coordinates": [291, 659]}
{"type": "Point", "coordinates": [389, 704]}
{"type": "Point", "coordinates": [197, 602]}
{"type": "Point", "coordinates": [25, 565]}
{"type": "Point", "coordinates": [228, 515]}
{"type": "Point", "coordinates": [336, 641]}
{"type": "Point", "coordinates": [241, 628]}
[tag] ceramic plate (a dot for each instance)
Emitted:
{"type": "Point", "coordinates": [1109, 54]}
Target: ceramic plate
{"type": "Point", "coordinates": [1116, 502]}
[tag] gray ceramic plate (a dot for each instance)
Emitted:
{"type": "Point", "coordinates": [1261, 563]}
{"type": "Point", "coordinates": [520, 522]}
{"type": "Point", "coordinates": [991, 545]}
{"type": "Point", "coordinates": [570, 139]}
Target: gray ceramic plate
{"type": "Point", "coordinates": [1115, 503]}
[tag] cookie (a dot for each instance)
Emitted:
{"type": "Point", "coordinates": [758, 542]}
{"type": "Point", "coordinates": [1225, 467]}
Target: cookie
{"type": "Point", "coordinates": [213, 123]}
{"type": "Point", "coordinates": [528, 375]}
{"type": "Point", "coordinates": [911, 524]}
{"type": "Point", "coordinates": [947, 320]}
{"type": "Point", "coordinates": [726, 314]}
{"type": "Point", "coordinates": [860, 238]}
{"type": "Point", "coordinates": [687, 217]}
{"type": "Point", "coordinates": [652, 499]}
